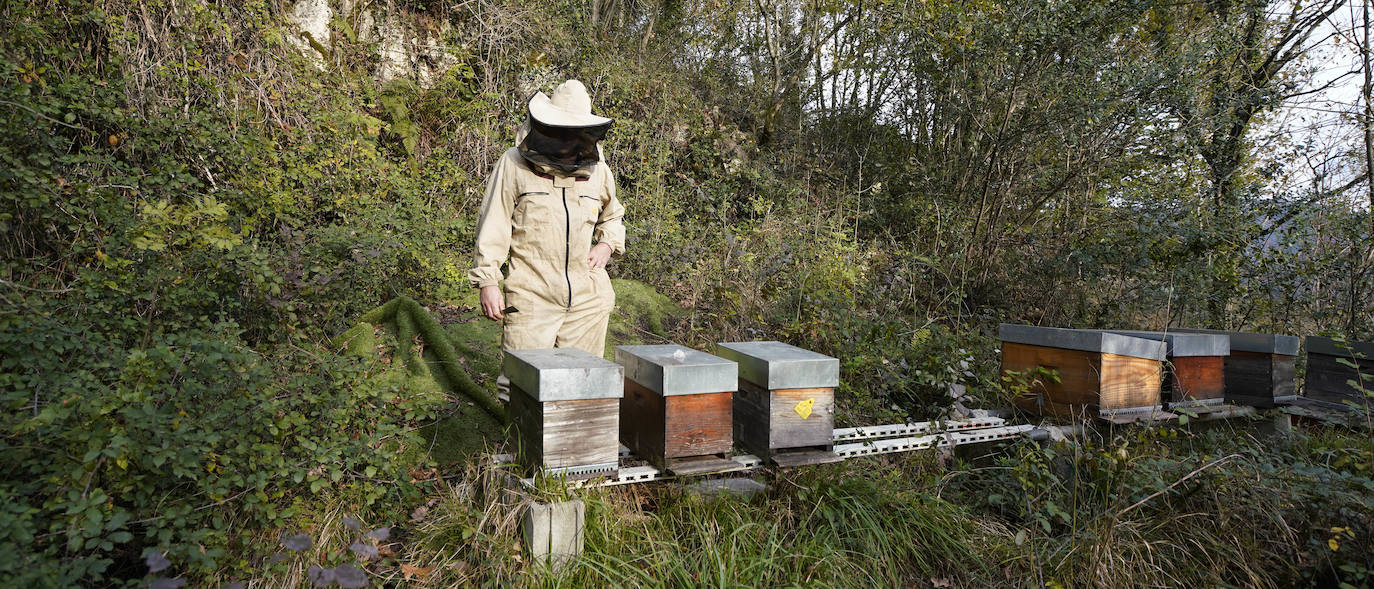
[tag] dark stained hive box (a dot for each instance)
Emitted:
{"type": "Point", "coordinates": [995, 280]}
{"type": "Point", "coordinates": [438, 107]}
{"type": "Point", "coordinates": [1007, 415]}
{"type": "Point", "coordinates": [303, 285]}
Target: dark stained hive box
{"type": "Point", "coordinates": [565, 409]}
{"type": "Point", "coordinates": [1101, 374]}
{"type": "Point", "coordinates": [785, 406]}
{"type": "Point", "coordinates": [1260, 369]}
{"type": "Point", "coordinates": [1328, 379]}
{"type": "Point", "coordinates": [677, 409]}
{"type": "Point", "coordinates": [1196, 371]}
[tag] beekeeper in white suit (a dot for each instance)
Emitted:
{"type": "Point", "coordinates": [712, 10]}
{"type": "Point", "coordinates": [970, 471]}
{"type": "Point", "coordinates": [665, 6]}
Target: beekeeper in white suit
{"type": "Point", "coordinates": [550, 213]}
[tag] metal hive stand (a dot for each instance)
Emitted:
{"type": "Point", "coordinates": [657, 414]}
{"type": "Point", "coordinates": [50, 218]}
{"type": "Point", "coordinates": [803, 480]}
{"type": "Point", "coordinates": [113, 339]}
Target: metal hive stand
{"type": "Point", "coordinates": [860, 441]}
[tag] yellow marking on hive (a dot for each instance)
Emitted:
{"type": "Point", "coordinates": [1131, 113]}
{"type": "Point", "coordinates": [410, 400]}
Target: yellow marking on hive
{"type": "Point", "coordinates": [804, 408]}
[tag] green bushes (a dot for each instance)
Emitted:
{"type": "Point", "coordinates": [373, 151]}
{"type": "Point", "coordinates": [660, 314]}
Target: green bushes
{"type": "Point", "coordinates": [1172, 508]}
{"type": "Point", "coordinates": [113, 455]}
{"type": "Point", "coordinates": [176, 243]}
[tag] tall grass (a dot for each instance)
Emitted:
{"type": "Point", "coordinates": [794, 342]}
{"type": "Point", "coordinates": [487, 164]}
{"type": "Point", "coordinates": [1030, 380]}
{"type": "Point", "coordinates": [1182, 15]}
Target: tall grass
{"type": "Point", "coordinates": [1143, 508]}
{"type": "Point", "coordinates": [835, 526]}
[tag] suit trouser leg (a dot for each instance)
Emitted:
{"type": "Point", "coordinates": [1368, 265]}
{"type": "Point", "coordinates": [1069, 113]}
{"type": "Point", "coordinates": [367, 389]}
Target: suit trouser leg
{"type": "Point", "coordinates": [528, 330]}
{"type": "Point", "coordinates": [585, 329]}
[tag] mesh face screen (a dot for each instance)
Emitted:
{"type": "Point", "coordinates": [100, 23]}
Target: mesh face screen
{"type": "Point", "coordinates": [567, 145]}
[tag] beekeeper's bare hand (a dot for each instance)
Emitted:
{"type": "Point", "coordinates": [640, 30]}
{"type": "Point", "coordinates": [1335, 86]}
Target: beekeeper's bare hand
{"type": "Point", "coordinates": [599, 256]}
{"type": "Point", "coordinates": [493, 303]}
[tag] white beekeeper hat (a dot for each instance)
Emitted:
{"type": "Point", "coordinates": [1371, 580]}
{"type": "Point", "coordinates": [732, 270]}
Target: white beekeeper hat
{"type": "Point", "coordinates": [570, 106]}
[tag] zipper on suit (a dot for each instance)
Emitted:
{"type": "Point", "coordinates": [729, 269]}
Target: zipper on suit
{"type": "Point", "coordinates": [567, 245]}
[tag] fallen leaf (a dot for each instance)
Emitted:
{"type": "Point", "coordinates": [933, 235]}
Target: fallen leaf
{"type": "Point", "coordinates": [412, 572]}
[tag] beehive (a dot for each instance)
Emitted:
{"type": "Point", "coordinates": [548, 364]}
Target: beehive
{"type": "Point", "coordinates": [785, 406]}
{"type": "Point", "coordinates": [677, 408]}
{"type": "Point", "coordinates": [1329, 379]}
{"type": "Point", "coordinates": [1195, 373]}
{"type": "Point", "coordinates": [565, 409]}
{"type": "Point", "coordinates": [1099, 374]}
{"type": "Point", "coordinates": [1260, 369]}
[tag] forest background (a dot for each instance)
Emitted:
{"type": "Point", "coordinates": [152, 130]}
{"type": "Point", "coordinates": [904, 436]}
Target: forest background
{"type": "Point", "coordinates": [197, 197]}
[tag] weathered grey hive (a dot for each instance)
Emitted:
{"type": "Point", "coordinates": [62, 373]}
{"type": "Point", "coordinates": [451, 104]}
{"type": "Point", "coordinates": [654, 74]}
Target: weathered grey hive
{"type": "Point", "coordinates": [563, 374]}
{"type": "Point", "coordinates": [565, 408]}
{"type": "Point", "coordinates": [785, 407]}
{"type": "Point", "coordinates": [677, 370]}
{"type": "Point", "coordinates": [776, 365]}
{"type": "Point", "coordinates": [1330, 379]}
{"type": "Point", "coordinates": [1083, 340]}
{"type": "Point", "coordinates": [678, 407]}
{"type": "Point", "coordinates": [1196, 371]}
{"type": "Point", "coordinates": [1260, 369]}
{"type": "Point", "coordinates": [1095, 373]}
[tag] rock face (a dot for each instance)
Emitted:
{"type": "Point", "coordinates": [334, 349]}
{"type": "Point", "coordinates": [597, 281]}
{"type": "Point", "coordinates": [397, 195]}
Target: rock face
{"type": "Point", "coordinates": [311, 20]}
{"type": "Point", "coordinates": [404, 50]}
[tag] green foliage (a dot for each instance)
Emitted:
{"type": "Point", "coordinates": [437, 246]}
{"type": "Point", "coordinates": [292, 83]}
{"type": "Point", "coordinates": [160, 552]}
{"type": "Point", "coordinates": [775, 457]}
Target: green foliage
{"type": "Point", "coordinates": [190, 205]}
{"type": "Point", "coordinates": [1165, 506]}
{"type": "Point", "coordinates": [191, 436]}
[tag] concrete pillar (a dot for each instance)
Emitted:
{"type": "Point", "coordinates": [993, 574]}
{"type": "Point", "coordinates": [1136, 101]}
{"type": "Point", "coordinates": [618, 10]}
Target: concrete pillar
{"type": "Point", "coordinates": [553, 532]}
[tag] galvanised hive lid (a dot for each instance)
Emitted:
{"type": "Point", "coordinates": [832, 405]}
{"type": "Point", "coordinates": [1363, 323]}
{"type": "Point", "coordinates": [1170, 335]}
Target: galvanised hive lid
{"type": "Point", "coordinates": [677, 370]}
{"type": "Point", "coordinates": [775, 365]}
{"type": "Point", "coordinates": [1264, 343]}
{"type": "Point", "coordinates": [1083, 340]}
{"type": "Point", "coordinates": [1182, 345]}
{"type": "Point", "coordinates": [1330, 347]}
{"type": "Point", "coordinates": [564, 374]}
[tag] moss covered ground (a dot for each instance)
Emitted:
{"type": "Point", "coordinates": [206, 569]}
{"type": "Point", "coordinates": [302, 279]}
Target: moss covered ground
{"type": "Point", "coordinates": [393, 334]}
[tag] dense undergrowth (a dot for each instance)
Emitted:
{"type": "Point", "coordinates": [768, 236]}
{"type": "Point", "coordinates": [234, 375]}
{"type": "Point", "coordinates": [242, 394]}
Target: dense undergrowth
{"type": "Point", "coordinates": [1167, 507]}
{"type": "Point", "coordinates": [193, 207]}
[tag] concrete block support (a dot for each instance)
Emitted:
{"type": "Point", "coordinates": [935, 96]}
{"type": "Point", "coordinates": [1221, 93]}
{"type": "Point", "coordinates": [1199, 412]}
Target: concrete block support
{"type": "Point", "coordinates": [553, 532]}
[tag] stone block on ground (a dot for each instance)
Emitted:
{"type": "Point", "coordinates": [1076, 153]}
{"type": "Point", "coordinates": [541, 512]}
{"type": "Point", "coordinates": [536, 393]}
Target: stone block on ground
{"type": "Point", "coordinates": [554, 532]}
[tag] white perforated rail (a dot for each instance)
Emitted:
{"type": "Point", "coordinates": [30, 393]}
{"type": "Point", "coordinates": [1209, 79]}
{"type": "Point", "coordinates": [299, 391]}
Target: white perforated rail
{"type": "Point", "coordinates": [919, 427]}
{"type": "Point", "coordinates": [947, 434]}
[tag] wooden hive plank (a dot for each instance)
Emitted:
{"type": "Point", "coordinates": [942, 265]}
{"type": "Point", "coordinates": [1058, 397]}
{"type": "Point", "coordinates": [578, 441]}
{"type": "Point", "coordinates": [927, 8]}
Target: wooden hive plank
{"type": "Point", "coordinates": [641, 422]}
{"type": "Point", "coordinates": [528, 430]}
{"type": "Point", "coordinates": [1086, 379]}
{"type": "Point", "coordinates": [561, 434]}
{"type": "Point", "coordinates": [1327, 378]}
{"type": "Point", "coordinates": [1128, 382]}
{"type": "Point", "coordinates": [1257, 378]}
{"type": "Point", "coordinates": [789, 428]}
{"type": "Point", "coordinates": [1079, 374]}
{"type": "Point", "coordinates": [580, 432]}
{"type": "Point", "coordinates": [698, 424]}
{"type": "Point", "coordinates": [751, 417]}
{"type": "Point", "coordinates": [1198, 378]}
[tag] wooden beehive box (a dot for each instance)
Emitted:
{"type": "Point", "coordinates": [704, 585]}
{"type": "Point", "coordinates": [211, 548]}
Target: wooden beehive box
{"type": "Point", "coordinates": [1195, 373]}
{"type": "Point", "coordinates": [1100, 374]}
{"type": "Point", "coordinates": [785, 407]}
{"type": "Point", "coordinates": [1328, 379]}
{"type": "Point", "coordinates": [1260, 369]}
{"type": "Point", "coordinates": [677, 409]}
{"type": "Point", "coordinates": [565, 409]}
